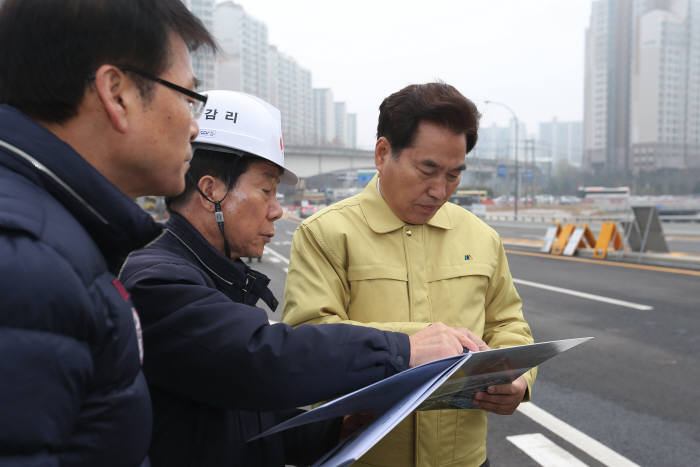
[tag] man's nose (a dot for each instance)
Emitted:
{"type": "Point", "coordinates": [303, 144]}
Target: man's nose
{"type": "Point", "coordinates": [275, 211]}
{"type": "Point", "coordinates": [194, 129]}
{"type": "Point", "coordinates": [438, 189]}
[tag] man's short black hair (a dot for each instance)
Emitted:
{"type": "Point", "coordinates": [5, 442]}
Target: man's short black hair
{"type": "Point", "coordinates": [439, 103]}
{"type": "Point", "coordinates": [49, 48]}
{"type": "Point", "coordinates": [225, 166]}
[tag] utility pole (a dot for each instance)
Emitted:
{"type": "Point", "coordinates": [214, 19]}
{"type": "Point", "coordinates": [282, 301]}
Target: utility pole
{"type": "Point", "coordinates": [530, 149]}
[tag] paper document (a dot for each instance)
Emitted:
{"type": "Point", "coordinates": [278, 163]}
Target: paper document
{"type": "Point", "coordinates": [441, 384]}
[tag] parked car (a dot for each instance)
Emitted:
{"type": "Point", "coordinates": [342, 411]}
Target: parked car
{"type": "Point", "coordinates": [306, 211]}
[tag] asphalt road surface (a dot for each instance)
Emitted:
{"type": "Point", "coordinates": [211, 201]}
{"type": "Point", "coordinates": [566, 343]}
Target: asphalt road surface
{"type": "Point", "coordinates": [630, 396]}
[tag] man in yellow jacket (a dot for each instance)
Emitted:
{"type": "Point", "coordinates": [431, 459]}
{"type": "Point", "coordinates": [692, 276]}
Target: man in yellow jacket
{"type": "Point", "coordinates": [398, 257]}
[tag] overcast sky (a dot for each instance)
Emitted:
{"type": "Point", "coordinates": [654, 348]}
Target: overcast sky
{"type": "Point", "coordinates": [527, 54]}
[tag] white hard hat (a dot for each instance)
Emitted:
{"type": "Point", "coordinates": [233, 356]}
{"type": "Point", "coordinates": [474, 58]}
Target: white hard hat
{"type": "Point", "coordinates": [234, 121]}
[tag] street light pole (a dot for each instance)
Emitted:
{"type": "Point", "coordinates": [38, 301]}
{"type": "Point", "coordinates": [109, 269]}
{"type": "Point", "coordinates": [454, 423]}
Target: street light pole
{"type": "Point", "coordinates": [515, 155]}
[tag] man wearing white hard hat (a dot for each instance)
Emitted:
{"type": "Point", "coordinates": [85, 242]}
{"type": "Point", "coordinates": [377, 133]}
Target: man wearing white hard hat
{"type": "Point", "coordinates": [218, 372]}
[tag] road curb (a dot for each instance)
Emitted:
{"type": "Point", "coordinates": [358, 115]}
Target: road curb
{"type": "Point", "coordinates": [653, 259]}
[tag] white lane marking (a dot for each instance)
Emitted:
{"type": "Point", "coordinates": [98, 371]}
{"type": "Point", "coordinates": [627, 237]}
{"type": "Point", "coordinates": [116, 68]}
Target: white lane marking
{"type": "Point", "coordinates": [274, 259]}
{"type": "Point", "coordinates": [543, 451]}
{"type": "Point", "coordinates": [272, 321]}
{"type": "Point", "coordinates": [582, 441]}
{"type": "Point", "coordinates": [277, 255]}
{"type": "Point", "coordinates": [289, 232]}
{"type": "Point", "coordinates": [576, 293]}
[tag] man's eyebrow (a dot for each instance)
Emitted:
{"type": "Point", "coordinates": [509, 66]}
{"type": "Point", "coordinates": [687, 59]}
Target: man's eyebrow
{"type": "Point", "coordinates": [434, 165]}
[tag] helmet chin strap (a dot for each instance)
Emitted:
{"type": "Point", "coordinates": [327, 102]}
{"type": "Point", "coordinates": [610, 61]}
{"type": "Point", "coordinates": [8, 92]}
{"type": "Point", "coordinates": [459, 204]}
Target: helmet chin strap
{"type": "Point", "coordinates": [218, 213]}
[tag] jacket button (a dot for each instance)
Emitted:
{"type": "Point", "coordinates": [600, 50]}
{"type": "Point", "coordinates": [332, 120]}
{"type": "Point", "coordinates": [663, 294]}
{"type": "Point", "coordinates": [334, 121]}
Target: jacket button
{"type": "Point", "coordinates": [409, 233]}
{"type": "Point", "coordinates": [399, 360]}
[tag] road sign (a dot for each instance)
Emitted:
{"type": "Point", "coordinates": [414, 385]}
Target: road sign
{"type": "Point", "coordinates": [365, 176]}
{"type": "Point", "coordinates": [501, 170]}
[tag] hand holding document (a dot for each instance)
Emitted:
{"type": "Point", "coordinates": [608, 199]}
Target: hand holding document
{"type": "Point", "coordinates": [449, 383]}
{"type": "Point", "coordinates": [439, 341]}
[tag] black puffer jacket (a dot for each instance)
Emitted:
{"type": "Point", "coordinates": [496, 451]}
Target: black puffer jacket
{"type": "Point", "coordinates": [219, 373]}
{"type": "Point", "coordinates": [71, 388]}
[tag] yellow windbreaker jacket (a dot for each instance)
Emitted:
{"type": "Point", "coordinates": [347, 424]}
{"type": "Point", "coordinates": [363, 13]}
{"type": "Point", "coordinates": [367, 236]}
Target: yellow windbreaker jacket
{"type": "Point", "coordinates": [356, 262]}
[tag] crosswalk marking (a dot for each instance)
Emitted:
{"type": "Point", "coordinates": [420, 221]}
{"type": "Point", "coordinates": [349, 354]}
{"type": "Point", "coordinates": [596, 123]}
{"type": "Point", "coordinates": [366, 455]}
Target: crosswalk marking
{"type": "Point", "coordinates": [543, 451]}
{"type": "Point", "coordinates": [582, 441]}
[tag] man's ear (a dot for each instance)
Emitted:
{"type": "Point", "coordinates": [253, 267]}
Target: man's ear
{"type": "Point", "coordinates": [212, 188]}
{"type": "Point", "coordinates": [116, 95]}
{"type": "Point", "coordinates": [382, 153]}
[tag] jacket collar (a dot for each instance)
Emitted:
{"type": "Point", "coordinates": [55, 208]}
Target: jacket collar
{"type": "Point", "coordinates": [113, 220]}
{"type": "Point", "coordinates": [382, 219]}
{"type": "Point", "coordinates": [232, 277]}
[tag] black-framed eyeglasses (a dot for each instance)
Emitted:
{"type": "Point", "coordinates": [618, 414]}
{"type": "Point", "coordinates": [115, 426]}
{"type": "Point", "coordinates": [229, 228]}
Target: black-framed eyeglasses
{"type": "Point", "coordinates": [196, 106]}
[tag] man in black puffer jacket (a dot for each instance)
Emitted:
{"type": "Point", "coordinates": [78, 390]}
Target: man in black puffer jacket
{"type": "Point", "coordinates": [81, 135]}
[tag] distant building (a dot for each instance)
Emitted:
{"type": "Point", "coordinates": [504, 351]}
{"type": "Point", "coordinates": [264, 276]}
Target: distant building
{"type": "Point", "coordinates": [641, 92]}
{"type": "Point", "coordinates": [290, 91]}
{"type": "Point", "coordinates": [561, 140]}
{"type": "Point", "coordinates": [665, 89]}
{"type": "Point", "coordinates": [606, 85]}
{"type": "Point", "coordinates": [242, 64]}
{"type": "Point", "coordinates": [248, 63]}
{"type": "Point", "coordinates": [497, 142]}
{"type": "Point", "coordinates": [341, 129]}
{"type": "Point", "coordinates": [203, 61]}
{"type": "Point", "coordinates": [324, 116]}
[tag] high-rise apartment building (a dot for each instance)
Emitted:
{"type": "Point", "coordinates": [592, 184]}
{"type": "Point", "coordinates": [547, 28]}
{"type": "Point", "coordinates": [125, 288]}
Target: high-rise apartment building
{"type": "Point", "coordinates": [203, 61]}
{"type": "Point", "coordinates": [248, 63]}
{"type": "Point", "coordinates": [242, 64]}
{"type": "Point", "coordinates": [561, 140]}
{"type": "Point", "coordinates": [606, 91]}
{"type": "Point", "coordinates": [324, 116]}
{"type": "Point", "coordinates": [341, 128]}
{"type": "Point", "coordinates": [290, 91]}
{"type": "Point", "coordinates": [642, 93]}
{"type": "Point", "coordinates": [665, 88]}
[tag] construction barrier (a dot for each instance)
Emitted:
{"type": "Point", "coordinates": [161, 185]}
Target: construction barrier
{"type": "Point", "coordinates": [567, 240]}
{"type": "Point", "coordinates": [563, 239]}
{"type": "Point", "coordinates": [608, 234]}
{"type": "Point", "coordinates": [645, 232]}
{"type": "Point", "coordinates": [582, 237]}
{"type": "Point", "coordinates": [549, 237]}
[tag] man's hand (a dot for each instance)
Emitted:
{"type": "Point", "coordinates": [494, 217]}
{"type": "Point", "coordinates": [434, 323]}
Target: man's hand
{"type": "Point", "coordinates": [502, 399]}
{"type": "Point", "coordinates": [440, 341]}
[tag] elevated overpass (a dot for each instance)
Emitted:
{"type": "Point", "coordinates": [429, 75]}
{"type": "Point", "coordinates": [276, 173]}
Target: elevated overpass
{"type": "Point", "coordinates": [308, 161]}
